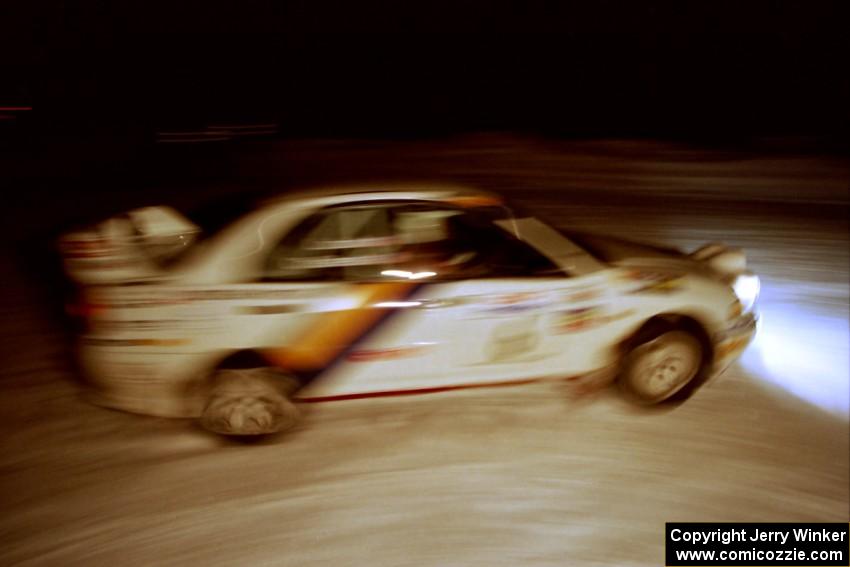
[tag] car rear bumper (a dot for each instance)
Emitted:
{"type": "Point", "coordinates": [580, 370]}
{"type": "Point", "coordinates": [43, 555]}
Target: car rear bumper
{"type": "Point", "coordinates": [171, 385]}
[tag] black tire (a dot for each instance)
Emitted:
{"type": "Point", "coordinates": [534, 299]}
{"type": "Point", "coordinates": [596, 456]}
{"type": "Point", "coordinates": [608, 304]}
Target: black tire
{"type": "Point", "coordinates": [661, 366]}
{"type": "Point", "coordinates": [249, 402]}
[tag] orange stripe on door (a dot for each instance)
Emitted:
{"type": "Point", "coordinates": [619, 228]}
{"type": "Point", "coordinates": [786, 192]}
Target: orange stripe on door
{"type": "Point", "coordinates": [334, 331]}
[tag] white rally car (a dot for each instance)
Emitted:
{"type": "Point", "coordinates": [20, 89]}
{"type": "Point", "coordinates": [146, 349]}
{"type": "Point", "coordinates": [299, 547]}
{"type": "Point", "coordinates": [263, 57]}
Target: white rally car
{"type": "Point", "coordinates": [374, 291]}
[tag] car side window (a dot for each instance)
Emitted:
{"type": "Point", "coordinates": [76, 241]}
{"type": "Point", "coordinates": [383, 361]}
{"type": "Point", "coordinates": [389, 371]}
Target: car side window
{"type": "Point", "coordinates": [498, 253]}
{"type": "Point", "coordinates": [408, 241]}
{"type": "Point", "coordinates": [326, 244]}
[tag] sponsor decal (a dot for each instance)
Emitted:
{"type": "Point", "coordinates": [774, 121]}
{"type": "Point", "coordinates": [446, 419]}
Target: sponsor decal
{"type": "Point", "coordinates": [581, 295]}
{"type": "Point", "coordinates": [578, 319]}
{"type": "Point", "coordinates": [371, 355]}
{"type": "Point", "coordinates": [512, 340]}
{"type": "Point", "coordinates": [513, 302]}
{"type": "Point", "coordinates": [654, 282]}
{"type": "Point", "coordinates": [585, 318]}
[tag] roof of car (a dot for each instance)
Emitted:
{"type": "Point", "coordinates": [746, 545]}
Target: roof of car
{"type": "Point", "coordinates": [425, 190]}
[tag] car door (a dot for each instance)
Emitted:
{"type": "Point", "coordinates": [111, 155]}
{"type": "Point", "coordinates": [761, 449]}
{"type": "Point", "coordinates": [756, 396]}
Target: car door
{"type": "Point", "coordinates": [475, 305]}
{"type": "Point", "coordinates": [337, 252]}
{"type": "Point", "coordinates": [502, 318]}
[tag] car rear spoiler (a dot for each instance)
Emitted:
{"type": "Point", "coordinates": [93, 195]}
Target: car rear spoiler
{"type": "Point", "coordinates": [132, 246]}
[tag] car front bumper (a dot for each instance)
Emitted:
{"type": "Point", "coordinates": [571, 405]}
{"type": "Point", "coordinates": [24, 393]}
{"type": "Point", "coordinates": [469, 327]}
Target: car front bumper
{"type": "Point", "coordinates": [730, 342]}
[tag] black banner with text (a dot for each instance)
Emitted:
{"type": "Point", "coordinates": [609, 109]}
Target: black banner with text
{"type": "Point", "coordinates": [757, 544]}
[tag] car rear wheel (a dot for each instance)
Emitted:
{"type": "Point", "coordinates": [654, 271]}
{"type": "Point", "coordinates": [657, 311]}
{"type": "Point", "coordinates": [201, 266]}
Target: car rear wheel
{"type": "Point", "coordinates": [249, 402]}
{"type": "Point", "coordinates": [656, 369]}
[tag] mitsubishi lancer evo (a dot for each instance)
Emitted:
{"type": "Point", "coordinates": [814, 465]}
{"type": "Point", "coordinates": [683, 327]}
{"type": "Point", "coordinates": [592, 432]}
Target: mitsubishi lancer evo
{"type": "Point", "coordinates": [354, 292]}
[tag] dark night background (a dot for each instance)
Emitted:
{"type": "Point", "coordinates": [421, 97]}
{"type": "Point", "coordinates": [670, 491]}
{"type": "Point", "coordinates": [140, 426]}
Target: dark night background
{"type": "Point", "coordinates": [102, 78]}
{"type": "Point", "coordinates": [715, 70]}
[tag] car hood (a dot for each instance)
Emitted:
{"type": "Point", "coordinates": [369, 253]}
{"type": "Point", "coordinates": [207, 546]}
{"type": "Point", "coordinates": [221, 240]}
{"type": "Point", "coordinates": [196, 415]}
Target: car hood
{"type": "Point", "coordinates": [627, 253]}
{"type": "Point", "coordinates": [613, 250]}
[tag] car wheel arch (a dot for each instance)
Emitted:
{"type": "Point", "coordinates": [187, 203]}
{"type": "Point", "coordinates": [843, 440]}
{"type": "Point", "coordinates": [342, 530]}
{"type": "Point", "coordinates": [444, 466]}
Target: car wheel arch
{"type": "Point", "coordinates": [244, 395]}
{"type": "Point", "coordinates": [241, 359]}
{"type": "Point", "coordinates": [667, 322]}
{"type": "Point", "coordinates": [251, 359]}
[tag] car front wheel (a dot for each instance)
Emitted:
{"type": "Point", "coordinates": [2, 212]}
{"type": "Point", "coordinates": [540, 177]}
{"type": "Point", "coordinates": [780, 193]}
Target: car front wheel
{"type": "Point", "coordinates": [658, 368]}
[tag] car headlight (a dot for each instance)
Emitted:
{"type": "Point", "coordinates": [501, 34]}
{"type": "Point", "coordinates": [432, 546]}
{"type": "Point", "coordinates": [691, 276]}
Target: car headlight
{"type": "Point", "coordinates": [747, 287]}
